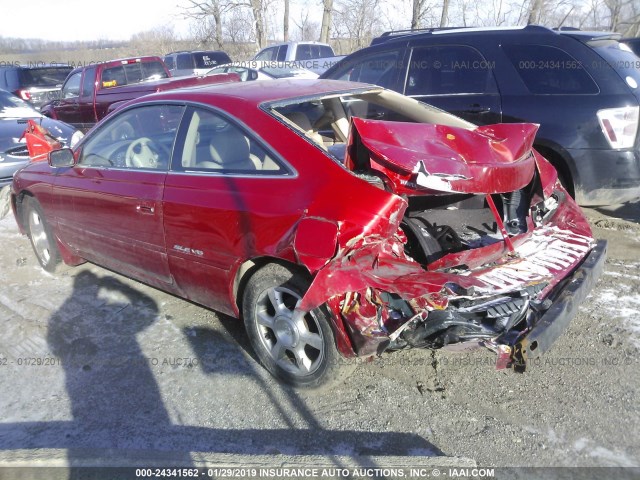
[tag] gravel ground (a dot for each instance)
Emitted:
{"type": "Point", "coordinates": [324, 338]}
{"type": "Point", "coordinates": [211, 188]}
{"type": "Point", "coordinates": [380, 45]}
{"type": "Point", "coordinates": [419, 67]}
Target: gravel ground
{"type": "Point", "coordinates": [89, 359]}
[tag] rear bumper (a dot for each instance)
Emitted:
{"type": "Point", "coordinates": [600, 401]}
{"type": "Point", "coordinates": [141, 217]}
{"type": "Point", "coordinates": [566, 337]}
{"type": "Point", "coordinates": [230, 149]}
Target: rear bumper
{"type": "Point", "coordinates": [605, 177]}
{"type": "Point", "coordinates": [565, 306]}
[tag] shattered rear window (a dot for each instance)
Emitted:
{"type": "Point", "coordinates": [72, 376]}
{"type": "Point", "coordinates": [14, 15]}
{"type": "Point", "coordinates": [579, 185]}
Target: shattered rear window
{"type": "Point", "coordinates": [326, 120]}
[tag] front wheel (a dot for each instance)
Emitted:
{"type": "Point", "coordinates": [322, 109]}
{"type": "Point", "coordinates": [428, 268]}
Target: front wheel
{"type": "Point", "coordinates": [296, 347]}
{"type": "Point", "coordinates": [42, 240]}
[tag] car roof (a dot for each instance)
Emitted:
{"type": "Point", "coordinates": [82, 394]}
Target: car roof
{"type": "Point", "coordinates": [304, 42]}
{"type": "Point", "coordinates": [260, 91]}
{"type": "Point", "coordinates": [38, 67]}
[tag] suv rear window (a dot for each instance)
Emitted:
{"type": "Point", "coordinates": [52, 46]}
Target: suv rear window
{"type": "Point", "coordinates": [547, 70]}
{"type": "Point", "coordinates": [43, 77]}
{"type": "Point", "coordinates": [210, 59]}
{"type": "Point", "coordinates": [619, 57]}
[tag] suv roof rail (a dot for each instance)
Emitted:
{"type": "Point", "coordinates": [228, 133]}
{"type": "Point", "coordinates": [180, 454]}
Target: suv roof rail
{"type": "Point", "coordinates": [393, 34]}
{"type": "Point", "coordinates": [417, 30]}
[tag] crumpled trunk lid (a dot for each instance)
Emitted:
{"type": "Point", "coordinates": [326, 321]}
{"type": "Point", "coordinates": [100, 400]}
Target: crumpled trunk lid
{"type": "Point", "coordinates": [423, 158]}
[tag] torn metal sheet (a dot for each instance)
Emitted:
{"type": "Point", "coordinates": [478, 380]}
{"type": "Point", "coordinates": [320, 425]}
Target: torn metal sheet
{"type": "Point", "coordinates": [386, 299]}
{"type": "Point", "coordinates": [488, 159]}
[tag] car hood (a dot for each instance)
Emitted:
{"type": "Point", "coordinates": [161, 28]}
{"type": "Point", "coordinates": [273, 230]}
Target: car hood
{"type": "Point", "coordinates": [422, 158]}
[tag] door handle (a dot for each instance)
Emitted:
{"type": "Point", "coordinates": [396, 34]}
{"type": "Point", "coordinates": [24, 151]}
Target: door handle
{"type": "Point", "coordinates": [146, 209]}
{"type": "Point", "coordinates": [477, 108]}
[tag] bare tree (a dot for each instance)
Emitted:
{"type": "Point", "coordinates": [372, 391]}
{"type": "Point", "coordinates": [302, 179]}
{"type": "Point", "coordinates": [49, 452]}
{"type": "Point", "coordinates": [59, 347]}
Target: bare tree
{"type": "Point", "coordinates": [204, 12]}
{"type": "Point", "coordinates": [160, 40]}
{"type": "Point", "coordinates": [535, 11]}
{"type": "Point", "coordinates": [445, 11]}
{"type": "Point", "coordinates": [420, 11]}
{"type": "Point", "coordinates": [238, 27]}
{"type": "Point", "coordinates": [357, 20]}
{"type": "Point", "coordinates": [307, 29]}
{"type": "Point", "coordinates": [327, 11]}
{"type": "Point", "coordinates": [285, 26]}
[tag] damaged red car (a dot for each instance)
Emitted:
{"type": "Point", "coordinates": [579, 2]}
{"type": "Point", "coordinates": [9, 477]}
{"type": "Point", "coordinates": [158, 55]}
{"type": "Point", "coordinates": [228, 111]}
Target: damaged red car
{"type": "Point", "coordinates": [337, 219]}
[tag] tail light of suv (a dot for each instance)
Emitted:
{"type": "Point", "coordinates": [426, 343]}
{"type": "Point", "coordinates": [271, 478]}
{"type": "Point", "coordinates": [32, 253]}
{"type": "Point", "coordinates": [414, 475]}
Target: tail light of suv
{"type": "Point", "coordinates": [620, 125]}
{"type": "Point", "coordinates": [24, 94]}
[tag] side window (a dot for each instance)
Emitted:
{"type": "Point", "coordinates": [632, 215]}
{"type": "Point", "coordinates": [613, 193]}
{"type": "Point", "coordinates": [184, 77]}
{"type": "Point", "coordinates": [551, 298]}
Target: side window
{"type": "Point", "coordinates": [446, 70]}
{"type": "Point", "coordinates": [168, 61]}
{"type": "Point", "coordinates": [325, 51]}
{"type": "Point", "coordinates": [153, 71]}
{"type": "Point", "coordinates": [282, 53]}
{"type": "Point", "coordinates": [140, 138]}
{"type": "Point", "coordinates": [267, 54]}
{"type": "Point", "coordinates": [71, 88]}
{"type": "Point", "coordinates": [184, 61]}
{"type": "Point", "coordinates": [547, 70]}
{"type": "Point", "coordinates": [133, 73]}
{"type": "Point", "coordinates": [304, 52]}
{"type": "Point", "coordinates": [213, 144]}
{"type": "Point", "coordinates": [112, 77]}
{"type": "Point", "coordinates": [88, 82]}
{"type": "Point", "coordinates": [241, 71]}
{"type": "Point", "coordinates": [380, 69]}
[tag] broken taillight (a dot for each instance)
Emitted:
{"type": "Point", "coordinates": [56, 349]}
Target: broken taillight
{"type": "Point", "coordinates": [620, 125]}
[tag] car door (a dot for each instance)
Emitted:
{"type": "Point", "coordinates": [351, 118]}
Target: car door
{"type": "Point", "coordinates": [455, 78]}
{"type": "Point", "coordinates": [86, 105]}
{"type": "Point", "coordinates": [116, 188]}
{"type": "Point", "coordinates": [68, 108]}
{"type": "Point", "coordinates": [222, 204]}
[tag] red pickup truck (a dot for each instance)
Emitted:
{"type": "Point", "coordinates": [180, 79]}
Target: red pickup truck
{"type": "Point", "coordinates": [90, 92]}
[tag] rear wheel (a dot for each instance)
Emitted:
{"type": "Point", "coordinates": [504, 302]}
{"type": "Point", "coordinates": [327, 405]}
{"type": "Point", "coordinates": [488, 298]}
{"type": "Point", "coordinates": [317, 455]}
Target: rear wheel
{"type": "Point", "coordinates": [42, 240]}
{"type": "Point", "coordinates": [296, 347]}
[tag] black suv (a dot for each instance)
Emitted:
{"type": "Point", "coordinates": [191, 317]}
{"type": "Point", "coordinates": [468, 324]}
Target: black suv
{"type": "Point", "coordinates": [583, 89]}
{"type": "Point", "coordinates": [37, 84]}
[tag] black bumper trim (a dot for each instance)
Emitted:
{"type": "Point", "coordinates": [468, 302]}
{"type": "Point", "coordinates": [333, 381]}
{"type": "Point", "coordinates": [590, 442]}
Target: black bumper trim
{"type": "Point", "coordinates": [565, 306]}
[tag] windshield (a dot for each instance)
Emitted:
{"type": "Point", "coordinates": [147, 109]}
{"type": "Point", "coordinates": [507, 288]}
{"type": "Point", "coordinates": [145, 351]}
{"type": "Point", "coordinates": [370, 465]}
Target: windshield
{"type": "Point", "coordinates": [43, 77]}
{"type": "Point", "coordinates": [620, 57]}
{"type": "Point", "coordinates": [12, 107]}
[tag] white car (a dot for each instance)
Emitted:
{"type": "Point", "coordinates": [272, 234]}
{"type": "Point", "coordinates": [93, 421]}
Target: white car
{"type": "Point", "coordinates": [264, 70]}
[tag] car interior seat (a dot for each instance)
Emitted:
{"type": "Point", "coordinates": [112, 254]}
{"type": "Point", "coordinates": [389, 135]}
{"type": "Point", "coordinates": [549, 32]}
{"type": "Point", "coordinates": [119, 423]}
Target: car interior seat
{"type": "Point", "coordinates": [229, 150]}
{"type": "Point", "coordinates": [302, 121]}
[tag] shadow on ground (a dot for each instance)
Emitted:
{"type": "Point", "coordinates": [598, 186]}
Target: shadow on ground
{"type": "Point", "coordinates": [116, 402]}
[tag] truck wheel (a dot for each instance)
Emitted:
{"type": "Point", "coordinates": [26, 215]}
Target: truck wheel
{"type": "Point", "coordinates": [297, 348]}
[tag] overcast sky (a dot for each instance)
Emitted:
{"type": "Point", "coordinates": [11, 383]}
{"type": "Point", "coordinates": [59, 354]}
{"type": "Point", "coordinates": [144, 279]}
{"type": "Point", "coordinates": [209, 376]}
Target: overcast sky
{"type": "Point", "coordinates": [87, 19]}
{"type": "Point", "coordinates": [120, 19]}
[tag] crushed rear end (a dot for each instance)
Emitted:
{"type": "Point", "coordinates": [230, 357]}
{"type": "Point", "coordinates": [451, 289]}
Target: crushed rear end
{"type": "Point", "coordinates": [479, 245]}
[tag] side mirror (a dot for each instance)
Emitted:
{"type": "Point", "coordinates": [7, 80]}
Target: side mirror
{"type": "Point", "coordinates": [61, 158]}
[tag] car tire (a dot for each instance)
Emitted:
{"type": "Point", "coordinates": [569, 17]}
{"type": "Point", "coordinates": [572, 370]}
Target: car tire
{"type": "Point", "coordinates": [297, 349]}
{"type": "Point", "coordinates": [42, 240]}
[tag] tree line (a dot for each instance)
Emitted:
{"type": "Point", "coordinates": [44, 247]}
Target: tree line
{"type": "Point", "coordinates": [353, 23]}
{"type": "Point", "coordinates": [241, 27]}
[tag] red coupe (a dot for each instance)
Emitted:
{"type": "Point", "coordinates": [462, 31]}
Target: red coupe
{"type": "Point", "coordinates": [337, 219]}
